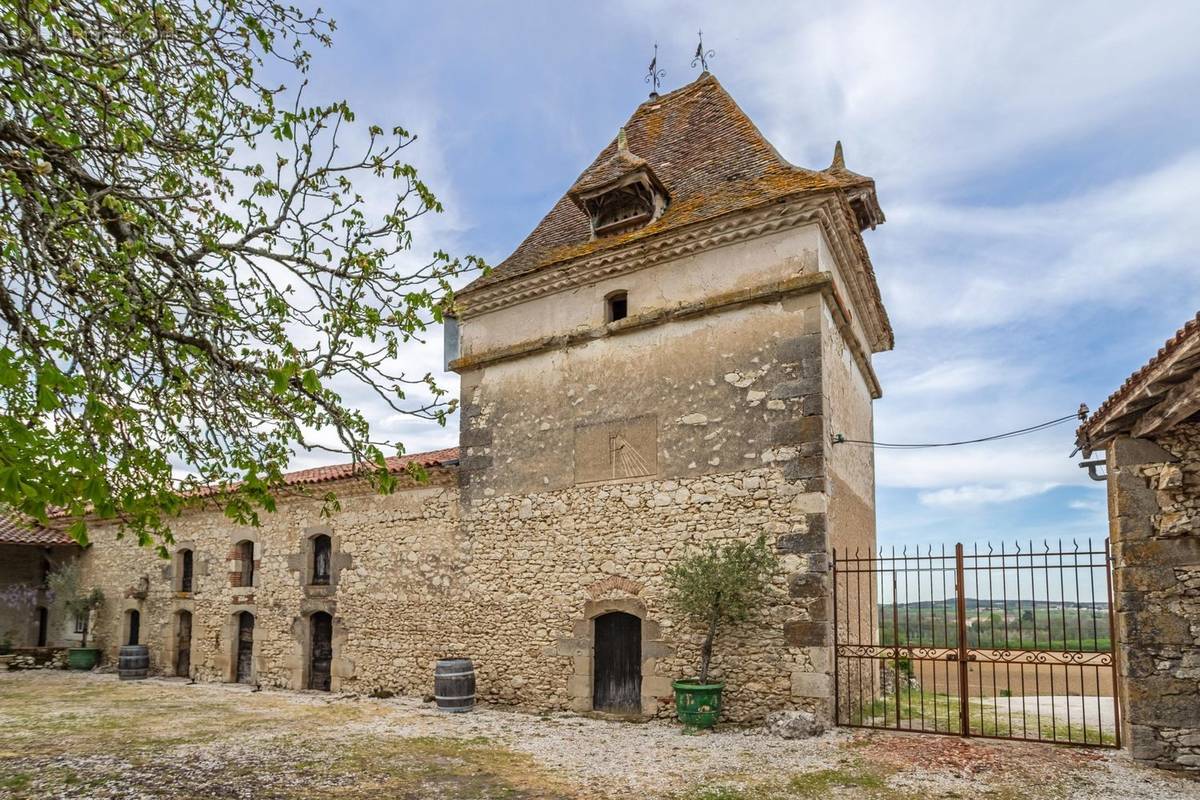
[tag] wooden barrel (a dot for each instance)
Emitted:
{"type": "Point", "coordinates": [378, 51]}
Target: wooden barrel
{"type": "Point", "coordinates": [133, 662]}
{"type": "Point", "coordinates": [454, 684]}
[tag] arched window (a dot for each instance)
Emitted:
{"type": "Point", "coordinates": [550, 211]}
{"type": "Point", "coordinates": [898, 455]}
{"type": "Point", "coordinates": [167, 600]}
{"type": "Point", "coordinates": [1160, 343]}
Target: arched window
{"type": "Point", "coordinates": [43, 616]}
{"type": "Point", "coordinates": [185, 570]}
{"type": "Point", "coordinates": [322, 549]}
{"type": "Point", "coordinates": [245, 551]}
{"type": "Point", "coordinates": [135, 624]}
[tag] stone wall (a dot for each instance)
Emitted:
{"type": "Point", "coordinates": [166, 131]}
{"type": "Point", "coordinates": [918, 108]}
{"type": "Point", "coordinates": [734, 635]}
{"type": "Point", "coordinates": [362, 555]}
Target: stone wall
{"type": "Point", "coordinates": [515, 588]}
{"type": "Point", "coordinates": [394, 561]}
{"type": "Point", "coordinates": [1154, 495]}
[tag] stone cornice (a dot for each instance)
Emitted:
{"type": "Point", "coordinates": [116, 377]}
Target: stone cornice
{"type": "Point", "coordinates": [801, 284]}
{"type": "Point", "coordinates": [829, 210]}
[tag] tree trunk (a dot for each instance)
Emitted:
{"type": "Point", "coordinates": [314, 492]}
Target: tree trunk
{"type": "Point", "coordinates": [706, 650]}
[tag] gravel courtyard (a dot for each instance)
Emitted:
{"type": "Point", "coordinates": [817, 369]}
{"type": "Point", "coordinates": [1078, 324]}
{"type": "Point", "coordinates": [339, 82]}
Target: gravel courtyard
{"type": "Point", "coordinates": [90, 736]}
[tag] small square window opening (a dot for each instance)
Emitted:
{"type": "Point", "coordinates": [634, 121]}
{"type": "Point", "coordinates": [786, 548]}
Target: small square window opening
{"type": "Point", "coordinates": [618, 307]}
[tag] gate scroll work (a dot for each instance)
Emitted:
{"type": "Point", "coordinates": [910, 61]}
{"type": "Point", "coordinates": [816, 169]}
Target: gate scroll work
{"type": "Point", "coordinates": [1012, 643]}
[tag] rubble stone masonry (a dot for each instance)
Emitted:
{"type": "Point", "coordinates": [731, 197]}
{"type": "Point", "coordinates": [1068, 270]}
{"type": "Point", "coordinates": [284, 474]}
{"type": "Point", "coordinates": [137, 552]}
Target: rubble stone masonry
{"type": "Point", "coordinates": [590, 462]}
{"type": "Point", "coordinates": [1155, 497]}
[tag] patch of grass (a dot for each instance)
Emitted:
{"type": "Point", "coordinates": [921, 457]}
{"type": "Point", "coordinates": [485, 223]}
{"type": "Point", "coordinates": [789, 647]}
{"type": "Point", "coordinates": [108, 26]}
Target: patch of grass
{"type": "Point", "coordinates": [461, 768]}
{"type": "Point", "coordinates": [718, 793]}
{"type": "Point", "coordinates": [935, 711]}
{"type": "Point", "coordinates": [16, 781]}
{"type": "Point", "coordinates": [854, 779]}
{"type": "Point", "coordinates": [823, 782]}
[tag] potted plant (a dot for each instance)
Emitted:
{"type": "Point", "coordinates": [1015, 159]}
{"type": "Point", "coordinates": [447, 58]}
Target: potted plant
{"type": "Point", "coordinates": [68, 594]}
{"type": "Point", "coordinates": [711, 588]}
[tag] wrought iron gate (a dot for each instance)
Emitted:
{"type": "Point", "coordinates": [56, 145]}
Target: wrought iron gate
{"type": "Point", "coordinates": [1011, 643]}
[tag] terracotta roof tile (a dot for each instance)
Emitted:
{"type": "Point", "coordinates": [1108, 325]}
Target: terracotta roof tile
{"type": "Point", "coordinates": [334, 472]}
{"type": "Point", "coordinates": [709, 156]}
{"type": "Point", "coordinates": [15, 531]}
{"type": "Point", "coordinates": [1185, 337]}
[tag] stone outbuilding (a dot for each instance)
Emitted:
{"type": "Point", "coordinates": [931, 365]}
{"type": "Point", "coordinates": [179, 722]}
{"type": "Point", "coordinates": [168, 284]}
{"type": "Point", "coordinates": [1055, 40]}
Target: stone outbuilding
{"type": "Point", "coordinates": [1149, 434]}
{"type": "Point", "coordinates": [28, 554]}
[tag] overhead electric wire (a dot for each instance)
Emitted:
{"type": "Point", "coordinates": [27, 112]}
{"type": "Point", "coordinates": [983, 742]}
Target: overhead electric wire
{"type": "Point", "coordinates": [839, 439]}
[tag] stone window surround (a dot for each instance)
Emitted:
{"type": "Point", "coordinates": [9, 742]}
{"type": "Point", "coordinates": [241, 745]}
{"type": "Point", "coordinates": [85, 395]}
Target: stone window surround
{"type": "Point", "coordinates": [129, 605]}
{"type": "Point", "coordinates": [235, 561]}
{"type": "Point", "coordinates": [229, 638]}
{"type": "Point", "coordinates": [177, 568]}
{"type": "Point", "coordinates": [172, 652]}
{"type": "Point", "coordinates": [581, 648]}
{"type": "Point", "coordinates": [302, 562]}
{"type": "Point", "coordinates": [618, 295]}
{"type": "Point", "coordinates": [339, 667]}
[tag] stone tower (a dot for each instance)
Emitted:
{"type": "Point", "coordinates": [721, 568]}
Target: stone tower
{"type": "Point", "coordinates": [664, 362]}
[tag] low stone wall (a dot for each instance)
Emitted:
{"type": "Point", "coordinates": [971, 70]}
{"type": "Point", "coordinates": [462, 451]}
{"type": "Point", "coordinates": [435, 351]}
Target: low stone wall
{"type": "Point", "coordinates": [1155, 509]}
{"type": "Point", "coordinates": [38, 658]}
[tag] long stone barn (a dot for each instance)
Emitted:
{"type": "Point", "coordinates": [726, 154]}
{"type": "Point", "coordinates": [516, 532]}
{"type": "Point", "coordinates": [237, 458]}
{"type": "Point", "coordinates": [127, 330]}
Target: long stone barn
{"type": "Point", "coordinates": [662, 363]}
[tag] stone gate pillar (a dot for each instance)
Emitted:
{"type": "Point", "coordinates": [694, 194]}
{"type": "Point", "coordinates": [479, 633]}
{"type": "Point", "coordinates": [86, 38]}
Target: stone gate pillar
{"type": "Point", "coordinates": [1157, 596]}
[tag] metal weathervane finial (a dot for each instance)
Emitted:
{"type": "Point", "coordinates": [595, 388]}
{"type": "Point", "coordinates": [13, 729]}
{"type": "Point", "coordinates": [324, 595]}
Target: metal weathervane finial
{"type": "Point", "coordinates": [702, 55]}
{"type": "Point", "coordinates": [655, 75]}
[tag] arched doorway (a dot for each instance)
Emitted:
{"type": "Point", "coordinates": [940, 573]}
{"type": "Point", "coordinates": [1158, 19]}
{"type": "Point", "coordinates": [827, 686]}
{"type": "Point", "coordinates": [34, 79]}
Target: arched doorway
{"type": "Point", "coordinates": [135, 625]}
{"type": "Point", "coordinates": [245, 648]}
{"type": "Point", "coordinates": [43, 619]}
{"type": "Point", "coordinates": [183, 644]}
{"type": "Point", "coordinates": [320, 650]}
{"type": "Point", "coordinates": [617, 663]}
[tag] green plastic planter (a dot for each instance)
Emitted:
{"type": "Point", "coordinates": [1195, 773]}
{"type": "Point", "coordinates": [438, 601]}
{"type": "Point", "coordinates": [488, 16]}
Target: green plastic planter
{"type": "Point", "coordinates": [698, 705]}
{"type": "Point", "coordinates": [82, 657]}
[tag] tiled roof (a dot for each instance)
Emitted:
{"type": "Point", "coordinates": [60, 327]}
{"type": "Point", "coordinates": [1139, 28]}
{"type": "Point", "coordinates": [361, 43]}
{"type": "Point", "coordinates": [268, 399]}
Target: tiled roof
{"type": "Point", "coordinates": [334, 472]}
{"type": "Point", "coordinates": [620, 165]}
{"type": "Point", "coordinates": [15, 531]}
{"type": "Point", "coordinates": [709, 156]}
{"type": "Point", "coordinates": [1177, 361]}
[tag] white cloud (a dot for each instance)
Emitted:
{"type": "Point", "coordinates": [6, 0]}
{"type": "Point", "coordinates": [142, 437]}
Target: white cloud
{"type": "Point", "coordinates": [978, 494]}
{"type": "Point", "coordinates": [932, 91]}
{"type": "Point", "coordinates": [1035, 260]}
{"type": "Point", "coordinates": [955, 376]}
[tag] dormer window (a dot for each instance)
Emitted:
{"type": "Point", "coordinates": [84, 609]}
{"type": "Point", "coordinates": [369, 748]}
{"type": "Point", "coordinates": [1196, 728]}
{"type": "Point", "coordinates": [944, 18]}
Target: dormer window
{"type": "Point", "coordinates": [616, 306]}
{"type": "Point", "coordinates": [619, 194]}
{"type": "Point", "coordinates": [631, 204]}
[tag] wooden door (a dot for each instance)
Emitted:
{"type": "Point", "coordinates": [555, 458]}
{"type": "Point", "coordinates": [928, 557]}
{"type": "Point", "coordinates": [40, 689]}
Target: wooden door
{"type": "Point", "coordinates": [183, 645]}
{"type": "Point", "coordinates": [321, 658]}
{"type": "Point", "coordinates": [617, 663]}
{"type": "Point", "coordinates": [245, 647]}
{"type": "Point", "coordinates": [135, 624]}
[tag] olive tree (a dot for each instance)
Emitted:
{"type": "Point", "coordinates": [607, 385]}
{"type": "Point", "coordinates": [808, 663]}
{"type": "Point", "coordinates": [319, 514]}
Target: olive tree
{"type": "Point", "coordinates": [68, 594]}
{"type": "Point", "coordinates": [190, 272]}
{"type": "Point", "coordinates": [719, 586]}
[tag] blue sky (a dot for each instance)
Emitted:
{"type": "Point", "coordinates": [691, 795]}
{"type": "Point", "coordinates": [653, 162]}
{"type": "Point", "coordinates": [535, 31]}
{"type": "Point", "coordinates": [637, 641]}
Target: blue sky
{"type": "Point", "coordinates": [1039, 166]}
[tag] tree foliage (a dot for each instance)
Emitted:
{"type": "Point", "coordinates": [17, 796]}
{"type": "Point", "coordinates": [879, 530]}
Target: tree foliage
{"type": "Point", "coordinates": [67, 593]}
{"type": "Point", "coordinates": [188, 274]}
{"type": "Point", "coordinates": [720, 586]}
